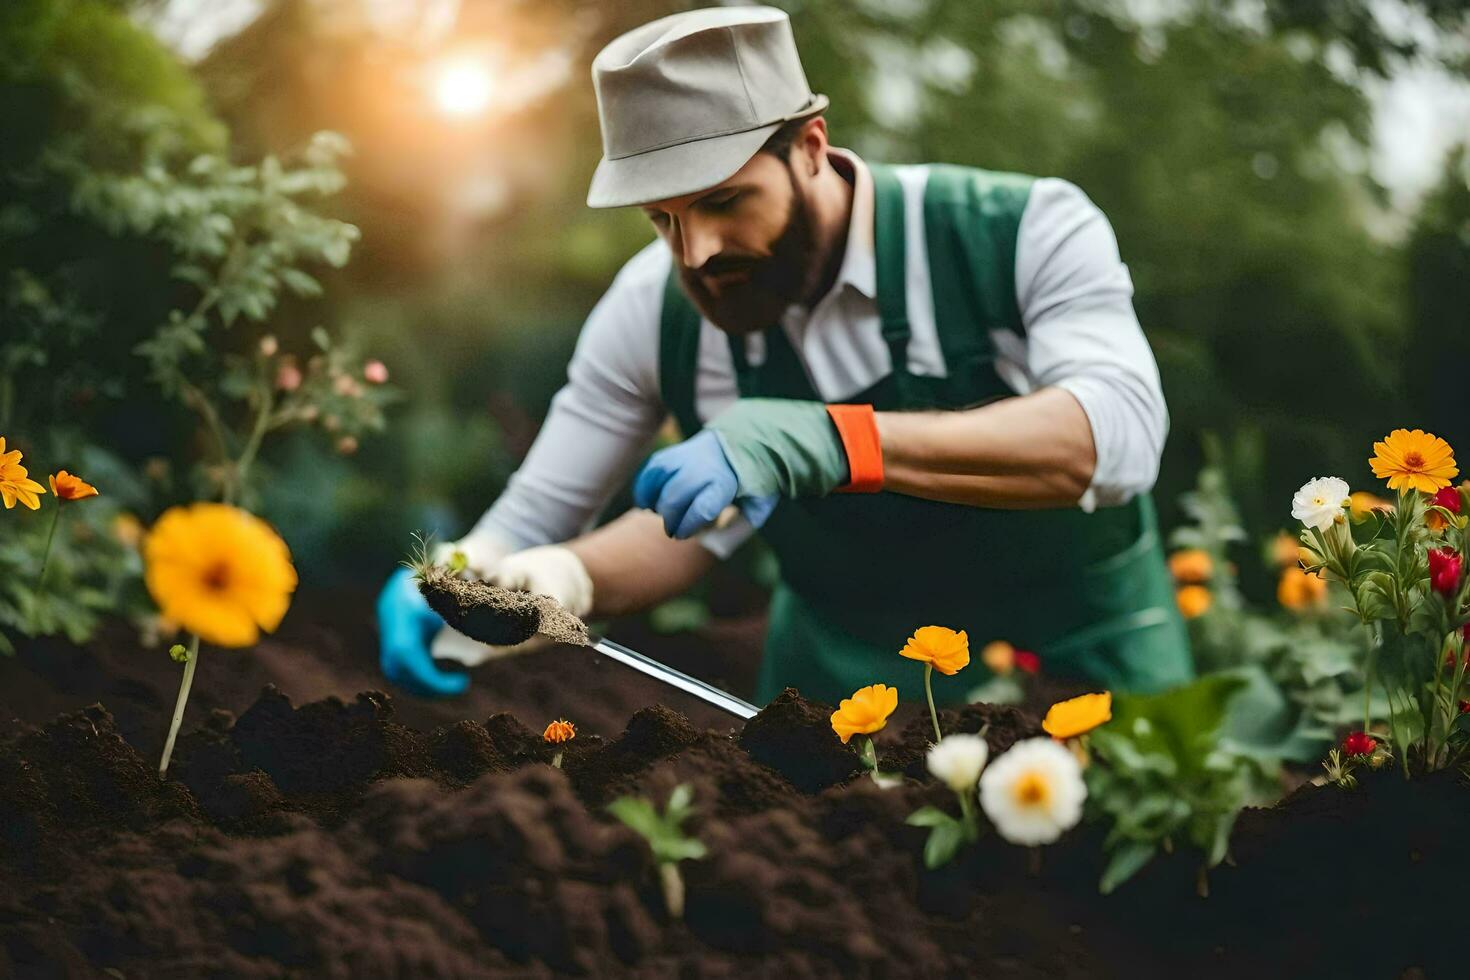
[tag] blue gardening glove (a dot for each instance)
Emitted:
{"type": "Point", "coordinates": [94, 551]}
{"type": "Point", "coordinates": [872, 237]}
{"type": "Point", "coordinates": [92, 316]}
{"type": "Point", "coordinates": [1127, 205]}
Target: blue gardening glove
{"type": "Point", "coordinates": [406, 626]}
{"type": "Point", "coordinates": [691, 483]}
{"type": "Point", "coordinates": [756, 452]}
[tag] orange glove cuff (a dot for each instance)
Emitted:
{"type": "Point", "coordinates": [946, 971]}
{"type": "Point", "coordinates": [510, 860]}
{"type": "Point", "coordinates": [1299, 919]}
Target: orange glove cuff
{"type": "Point", "coordinates": [857, 427]}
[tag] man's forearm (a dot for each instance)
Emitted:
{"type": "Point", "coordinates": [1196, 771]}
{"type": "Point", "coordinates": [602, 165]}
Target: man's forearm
{"type": "Point", "coordinates": [634, 565]}
{"type": "Point", "coordinates": [1034, 451]}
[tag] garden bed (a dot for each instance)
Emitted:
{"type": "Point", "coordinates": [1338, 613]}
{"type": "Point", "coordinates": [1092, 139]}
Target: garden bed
{"type": "Point", "coordinates": [335, 839]}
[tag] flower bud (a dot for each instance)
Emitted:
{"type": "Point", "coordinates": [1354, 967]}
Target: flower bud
{"type": "Point", "coordinates": [269, 345]}
{"type": "Point", "coordinates": [347, 445]}
{"type": "Point", "coordinates": [1028, 662]}
{"type": "Point", "coordinates": [288, 376]}
{"type": "Point", "coordinates": [999, 657]}
{"type": "Point", "coordinates": [346, 386]}
{"type": "Point", "coordinates": [1444, 571]}
{"type": "Point", "coordinates": [178, 653]}
{"type": "Point", "coordinates": [376, 372]}
{"type": "Point", "coordinates": [1358, 744]}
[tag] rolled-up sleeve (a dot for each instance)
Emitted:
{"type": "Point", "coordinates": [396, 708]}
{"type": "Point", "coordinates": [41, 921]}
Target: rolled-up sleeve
{"type": "Point", "coordinates": [1082, 335]}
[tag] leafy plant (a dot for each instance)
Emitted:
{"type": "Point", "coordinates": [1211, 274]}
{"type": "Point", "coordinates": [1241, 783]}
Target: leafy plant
{"type": "Point", "coordinates": [666, 838]}
{"type": "Point", "coordinates": [1162, 777]}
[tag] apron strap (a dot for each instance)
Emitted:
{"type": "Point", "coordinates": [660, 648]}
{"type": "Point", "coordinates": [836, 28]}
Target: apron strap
{"type": "Point", "coordinates": [678, 355]}
{"type": "Point", "coordinates": [892, 267]}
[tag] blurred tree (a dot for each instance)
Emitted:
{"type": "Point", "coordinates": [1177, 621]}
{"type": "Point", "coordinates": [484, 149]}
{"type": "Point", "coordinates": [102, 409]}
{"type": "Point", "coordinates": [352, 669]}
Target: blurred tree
{"type": "Point", "coordinates": [1439, 308]}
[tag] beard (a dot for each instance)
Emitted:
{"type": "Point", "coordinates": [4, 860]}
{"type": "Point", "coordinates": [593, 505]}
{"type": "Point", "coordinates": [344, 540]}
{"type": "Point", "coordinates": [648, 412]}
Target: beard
{"type": "Point", "coordinates": [773, 282]}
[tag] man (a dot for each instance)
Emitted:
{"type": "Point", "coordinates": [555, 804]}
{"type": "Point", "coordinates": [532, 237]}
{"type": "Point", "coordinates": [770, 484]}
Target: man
{"type": "Point", "coordinates": [926, 385]}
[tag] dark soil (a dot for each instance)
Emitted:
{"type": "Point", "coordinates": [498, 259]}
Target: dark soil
{"type": "Point", "coordinates": [372, 836]}
{"type": "Point", "coordinates": [497, 616]}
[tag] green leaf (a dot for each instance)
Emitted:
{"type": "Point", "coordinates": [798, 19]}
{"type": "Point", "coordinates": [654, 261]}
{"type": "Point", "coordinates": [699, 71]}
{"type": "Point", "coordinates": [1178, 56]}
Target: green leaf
{"type": "Point", "coordinates": [943, 843]}
{"type": "Point", "coordinates": [638, 814]}
{"type": "Point", "coordinates": [928, 816]}
{"type": "Point", "coordinates": [1124, 863]}
{"type": "Point", "coordinates": [320, 337]}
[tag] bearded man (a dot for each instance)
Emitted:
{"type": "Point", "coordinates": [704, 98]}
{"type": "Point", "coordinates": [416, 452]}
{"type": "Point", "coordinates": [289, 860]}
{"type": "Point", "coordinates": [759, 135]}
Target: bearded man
{"type": "Point", "coordinates": [925, 386]}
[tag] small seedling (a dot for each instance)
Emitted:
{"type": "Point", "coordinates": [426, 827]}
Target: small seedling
{"type": "Point", "coordinates": [665, 838]}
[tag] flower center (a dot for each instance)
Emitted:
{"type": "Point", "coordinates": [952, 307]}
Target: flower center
{"type": "Point", "coordinates": [1032, 789]}
{"type": "Point", "coordinates": [217, 577]}
{"type": "Point", "coordinates": [1414, 461]}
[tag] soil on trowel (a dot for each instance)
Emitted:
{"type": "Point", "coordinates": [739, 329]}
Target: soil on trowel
{"type": "Point", "coordinates": [498, 616]}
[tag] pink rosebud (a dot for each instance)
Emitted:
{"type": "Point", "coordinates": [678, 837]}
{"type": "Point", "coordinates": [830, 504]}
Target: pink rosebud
{"type": "Point", "coordinates": [269, 345]}
{"type": "Point", "coordinates": [1027, 662]}
{"type": "Point", "coordinates": [1359, 743]}
{"type": "Point", "coordinates": [376, 372]}
{"type": "Point", "coordinates": [288, 376]}
{"type": "Point", "coordinates": [1448, 498]}
{"type": "Point", "coordinates": [1444, 571]}
{"type": "Point", "coordinates": [347, 445]}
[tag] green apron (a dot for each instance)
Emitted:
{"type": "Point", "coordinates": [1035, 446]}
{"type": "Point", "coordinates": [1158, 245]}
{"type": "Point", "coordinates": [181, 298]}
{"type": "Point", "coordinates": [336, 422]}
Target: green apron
{"type": "Point", "coordinates": [1090, 593]}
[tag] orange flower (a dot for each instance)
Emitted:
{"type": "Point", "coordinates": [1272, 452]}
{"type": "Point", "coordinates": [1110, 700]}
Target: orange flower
{"type": "Point", "coordinates": [940, 647]}
{"type": "Point", "coordinates": [1191, 566]}
{"type": "Point", "coordinates": [69, 487]}
{"type": "Point", "coordinates": [1194, 601]}
{"type": "Point", "coordinates": [1362, 503]}
{"type": "Point", "coordinates": [1301, 590]}
{"type": "Point", "coordinates": [999, 657]}
{"type": "Point", "coordinates": [560, 731]}
{"type": "Point", "coordinates": [15, 483]}
{"type": "Point", "coordinates": [1414, 460]}
{"type": "Point", "coordinates": [1284, 550]}
{"type": "Point", "coordinates": [1078, 716]}
{"type": "Point", "coordinates": [865, 712]}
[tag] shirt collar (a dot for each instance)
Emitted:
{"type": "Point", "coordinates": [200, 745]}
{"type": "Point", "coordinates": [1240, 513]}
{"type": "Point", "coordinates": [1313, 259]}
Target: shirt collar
{"type": "Point", "coordinates": [859, 264]}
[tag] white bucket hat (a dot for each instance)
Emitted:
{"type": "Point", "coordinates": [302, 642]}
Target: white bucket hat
{"type": "Point", "coordinates": [687, 100]}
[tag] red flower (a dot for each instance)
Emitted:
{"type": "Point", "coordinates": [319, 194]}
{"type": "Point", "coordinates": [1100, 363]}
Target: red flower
{"type": "Point", "coordinates": [1448, 498]}
{"type": "Point", "coordinates": [1027, 662]}
{"type": "Point", "coordinates": [1444, 571]}
{"type": "Point", "coordinates": [1464, 707]}
{"type": "Point", "coordinates": [1359, 743]}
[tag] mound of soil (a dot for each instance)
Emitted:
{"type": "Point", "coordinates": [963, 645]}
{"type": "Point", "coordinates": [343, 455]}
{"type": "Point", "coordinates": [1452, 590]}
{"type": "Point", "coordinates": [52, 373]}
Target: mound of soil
{"type": "Point", "coordinates": [332, 840]}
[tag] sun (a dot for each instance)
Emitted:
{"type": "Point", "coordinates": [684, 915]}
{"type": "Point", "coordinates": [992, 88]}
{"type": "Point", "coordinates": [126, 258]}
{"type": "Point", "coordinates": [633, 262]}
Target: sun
{"type": "Point", "coordinates": [462, 86]}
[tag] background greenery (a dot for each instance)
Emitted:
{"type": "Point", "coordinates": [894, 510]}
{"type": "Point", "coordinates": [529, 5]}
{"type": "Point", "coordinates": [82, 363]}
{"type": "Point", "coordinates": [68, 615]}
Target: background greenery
{"type": "Point", "coordinates": [1293, 311]}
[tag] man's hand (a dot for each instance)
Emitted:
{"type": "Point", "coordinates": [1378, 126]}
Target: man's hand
{"type": "Point", "coordinates": [406, 625]}
{"type": "Point", "coordinates": [754, 453]}
{"type": "Point", "coordinates": [551, 570]}
{"type": "Point", "coordinates": [690, 484]}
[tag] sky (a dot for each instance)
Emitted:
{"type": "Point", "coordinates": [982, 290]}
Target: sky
{"type": "Point", "coordinates": [1419, 113]}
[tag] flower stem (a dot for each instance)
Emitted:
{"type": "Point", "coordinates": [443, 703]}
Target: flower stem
{"type": "Point", "coordinates": [46, 554]}
{"type": "Point", "coordinates": [556, 760]}
{"type": "Point", "coordinates": [867, 754]}
{"type": "Point", "coordinates": [929, 693]}
{"type": "Point", "coordinates": [673, 888]}
{"type": "Point", "coordinates": [188, 682]}
{"type": "Point", "coordinates": [967, 812]}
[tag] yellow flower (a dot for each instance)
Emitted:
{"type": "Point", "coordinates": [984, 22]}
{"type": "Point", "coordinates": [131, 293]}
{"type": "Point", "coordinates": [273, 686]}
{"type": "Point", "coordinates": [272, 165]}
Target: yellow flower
{"type": "Point", "coordinates": [1300, 590]}
{"type": "Point", "coordinates": [219, 572]}
{"type": "Point", "coordinates": [560, 731]}
{"type": "Point", "coordinates": [1364, 503]}
{"type": "Point", "coordinates": [1078, 716]}
{"type": "Point", "coordinates": [1194, 601]}
{"type": "Point", "coordinates": [1191, 566]}
{"type": "Point", "coordinates": [67, 486]}
{"type": "Point", "coordinates": [1416, 460]}
{"type": "Point", "coordinates": [865, 712]}
{"type": "Point", "coordinates": [14, 482]}
{"type": "Point", "coordinates": [999, 657]}
{"type": "Point", "coordinates": [940, 646]}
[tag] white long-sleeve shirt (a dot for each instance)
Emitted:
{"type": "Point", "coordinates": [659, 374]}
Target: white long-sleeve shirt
{"type": "Point", "coordinates": [1081, 334]}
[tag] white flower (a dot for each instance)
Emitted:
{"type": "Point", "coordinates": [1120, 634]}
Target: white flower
{"type": "Point", "coordinates": [1320, 501]}
{"type": "Point", "coordinates": [1033, 792]}
{"type": "Point", "coordinates": [956, 761]}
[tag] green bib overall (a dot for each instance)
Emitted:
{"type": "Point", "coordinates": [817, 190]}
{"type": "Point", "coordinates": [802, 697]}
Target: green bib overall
{"type": "Point", "coordinates": [860, 572]}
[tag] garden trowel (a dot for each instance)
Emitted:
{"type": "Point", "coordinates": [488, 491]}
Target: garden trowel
{"type": "Point", "coordinates": [502, 617]}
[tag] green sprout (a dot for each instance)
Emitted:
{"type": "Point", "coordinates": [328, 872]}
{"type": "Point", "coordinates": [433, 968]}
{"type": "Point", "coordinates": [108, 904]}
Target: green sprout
{"type": "Point", "coordinates": [665, 838]}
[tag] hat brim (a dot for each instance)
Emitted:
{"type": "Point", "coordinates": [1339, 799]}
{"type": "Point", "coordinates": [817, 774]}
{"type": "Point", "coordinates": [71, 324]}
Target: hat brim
{"type": "Point", "coordinates": [683, 168]}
